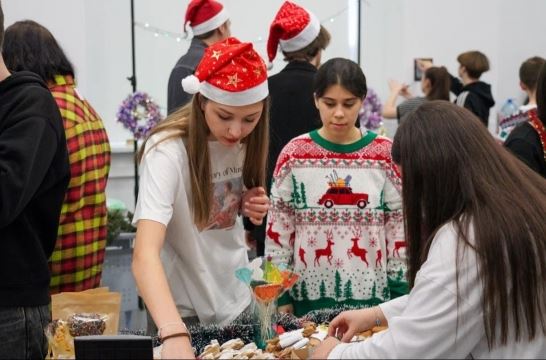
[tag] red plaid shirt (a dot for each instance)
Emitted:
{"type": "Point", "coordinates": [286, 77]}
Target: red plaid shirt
{"type": "Point", "coordinates": [76, 262]}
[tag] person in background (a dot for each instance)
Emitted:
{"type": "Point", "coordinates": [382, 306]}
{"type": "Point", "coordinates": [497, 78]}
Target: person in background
{"type": "Point", "coordinates": [301, 39]}
{"type": "Point", "coordinates": [76, 262]}
{"type": "Point", "coordinates": [528, 75]}
{"type": "Point", "coordinates": [336, 216]}
{"type": "Point", "coordinates": [471, 92]}
{"type": "Point", "coordinates": [528, 78]}
{"type": "Point", "coordinates": [209, 22]}
{"type": "Point", "coordinates": [34, 174]}
{"type": "Point", "coordinates": [528, 140]}
{"type": "Point", "coordinates": [435, 85]}
{"type": "Point", "coordinates": [474, 219]}
{"type": "Point", "coordinates": [181, 268]}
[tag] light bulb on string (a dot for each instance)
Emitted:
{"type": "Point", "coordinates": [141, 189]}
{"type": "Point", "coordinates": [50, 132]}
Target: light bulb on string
{"type": "Point", "coordinates": [179, 36]}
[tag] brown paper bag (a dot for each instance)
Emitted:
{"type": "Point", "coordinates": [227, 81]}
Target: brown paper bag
{"type": "Point", "coordinates": [105, 304]}
{"type": "Point", "coordinates": [91, 312]}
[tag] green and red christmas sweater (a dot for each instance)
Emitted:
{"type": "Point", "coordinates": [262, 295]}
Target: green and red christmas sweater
{"type": "Point", "coordinates": [336, 220]}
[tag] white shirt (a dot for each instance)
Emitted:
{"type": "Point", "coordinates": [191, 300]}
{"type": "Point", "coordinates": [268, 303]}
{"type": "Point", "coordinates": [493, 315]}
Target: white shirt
{"type": "Point", "coordinates": [423, 324]}
{"type": "Point", "coordinates": [200, 266]}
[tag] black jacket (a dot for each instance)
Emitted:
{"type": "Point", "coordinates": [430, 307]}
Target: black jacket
{"type": "Point", "coordinates": [176, 96]}
{"type": "Point", "coordinates": [476, 97]}
{"type": "Point", "coordinates": [524, 142]}
{"type": "Point", "coordinates": [292, 113]}
{"type": "Point", "coordinates": [34, 175]}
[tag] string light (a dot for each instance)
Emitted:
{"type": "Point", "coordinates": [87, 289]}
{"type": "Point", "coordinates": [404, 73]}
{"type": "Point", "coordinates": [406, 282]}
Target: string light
{"type": "Point", "coordinates": [182, 36]}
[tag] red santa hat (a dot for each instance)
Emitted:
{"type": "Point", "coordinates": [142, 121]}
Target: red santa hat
{"type": "Point", "coordinates": [293, 27]}
{"type": "Point", "coordinates": [205, 15]}
{"type": "Point", "coordinates": [230, 73]}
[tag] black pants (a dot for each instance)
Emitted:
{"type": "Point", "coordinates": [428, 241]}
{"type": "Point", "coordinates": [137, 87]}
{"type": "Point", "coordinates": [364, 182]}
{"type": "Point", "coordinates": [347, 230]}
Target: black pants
{"type": "Point", "coordinates": [22, 332]}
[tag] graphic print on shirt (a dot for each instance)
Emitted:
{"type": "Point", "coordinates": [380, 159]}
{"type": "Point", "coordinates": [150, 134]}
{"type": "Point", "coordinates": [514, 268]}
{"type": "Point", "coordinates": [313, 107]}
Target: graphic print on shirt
{"type": "Point", "coordinates": [225, 205]}
{"type": "Point", "coordinates": [340, 192]}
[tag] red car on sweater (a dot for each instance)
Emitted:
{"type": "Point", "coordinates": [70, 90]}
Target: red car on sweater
{"type": "Point", "coordinates": [343, 195]}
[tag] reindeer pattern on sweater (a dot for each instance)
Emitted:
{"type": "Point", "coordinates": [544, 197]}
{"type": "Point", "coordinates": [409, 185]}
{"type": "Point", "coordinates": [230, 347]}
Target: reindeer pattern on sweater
{"type": "Point", "coordinates": [336, 220]}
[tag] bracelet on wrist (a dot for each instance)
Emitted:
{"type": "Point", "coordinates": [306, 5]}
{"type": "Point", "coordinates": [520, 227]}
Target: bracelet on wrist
{"type": "Point", "coordinates": [175, 335]}
{"type": "Point", "coordinates": [177, 323]}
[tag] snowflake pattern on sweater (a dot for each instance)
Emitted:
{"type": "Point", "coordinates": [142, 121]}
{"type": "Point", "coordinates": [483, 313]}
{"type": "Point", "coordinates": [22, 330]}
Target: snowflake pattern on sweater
{"type": "Point", "coordinates": [336, 219]}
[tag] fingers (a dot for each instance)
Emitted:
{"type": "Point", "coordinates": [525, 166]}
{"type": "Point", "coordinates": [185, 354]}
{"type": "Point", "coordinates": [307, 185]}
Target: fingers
{"type": "Point", "coordinates": [337, 323]}
{"type": "Point", "coordinates": [256, 222]}
{"type": "Point", "coordinates": [347, 336]}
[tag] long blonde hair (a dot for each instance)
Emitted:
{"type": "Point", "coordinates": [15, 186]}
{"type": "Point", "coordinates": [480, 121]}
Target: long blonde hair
{"type": "Point", "coordinates": [188, 123]}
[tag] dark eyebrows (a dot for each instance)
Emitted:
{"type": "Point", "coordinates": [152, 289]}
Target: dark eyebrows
{"type": "Point", "coordinates": [347, 99]}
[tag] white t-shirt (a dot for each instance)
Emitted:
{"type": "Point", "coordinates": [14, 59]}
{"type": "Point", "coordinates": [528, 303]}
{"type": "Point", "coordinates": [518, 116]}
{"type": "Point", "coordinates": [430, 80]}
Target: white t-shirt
{"type": "Point", "coordinates": [200, 266]}
{"type": "Point", "coordinates": [423, 324]}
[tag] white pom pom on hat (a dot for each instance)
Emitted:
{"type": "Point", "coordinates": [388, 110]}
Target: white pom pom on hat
{"type": "Point", "coordinates": [191, 84]}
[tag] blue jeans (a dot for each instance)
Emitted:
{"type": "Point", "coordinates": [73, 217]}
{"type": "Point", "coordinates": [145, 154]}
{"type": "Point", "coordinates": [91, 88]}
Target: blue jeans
{"type": "Point", "coordinates": [22, 332]}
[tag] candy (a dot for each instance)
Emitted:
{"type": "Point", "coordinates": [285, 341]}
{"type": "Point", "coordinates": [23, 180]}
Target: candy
{"type": "Point", "coordinates": [83, 324]}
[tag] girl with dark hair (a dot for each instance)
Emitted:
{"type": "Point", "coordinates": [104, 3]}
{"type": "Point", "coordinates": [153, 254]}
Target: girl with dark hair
{"type": "Point", "coordinates": [76, 263]}
{"type": "Point", "coordinates": [435, 85]}
{"type": "Point", "coordinates": [185, 259]}
{"type": "Point", "coordinates": [336, 213]}
{"type": "Point", "coordinates": [32, 47]}
{"type": "Point", "coordinates": [474, 219]}
{"type": "Point", "coordinates": [528, 140]}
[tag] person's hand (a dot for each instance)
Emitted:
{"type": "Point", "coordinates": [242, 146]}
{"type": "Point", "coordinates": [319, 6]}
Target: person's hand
{"type": "Point", "coordinates": [349, 323]}
{"type": "Point", "coordinates": [395, 86]}
{"type": "Point", "coordinates": [177, 348]}
{"type": "Point", "coordinates": [250, 241]}
{"type": "Point", "coordinates": [424, 65]}
{"type": "Point", "coordinates": [323, 350]}
{"type": "Point", "coordinates": [405, 92]}
{"type": "Point", "coordinates": [255, 205]}
{"type": "Point", "coordinates": [286, 309]}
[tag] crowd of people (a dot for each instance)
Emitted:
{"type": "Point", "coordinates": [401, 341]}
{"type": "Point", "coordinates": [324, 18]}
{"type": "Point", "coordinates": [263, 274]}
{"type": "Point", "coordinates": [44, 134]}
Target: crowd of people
{"type": "Point", "coordinates": [438, 234]}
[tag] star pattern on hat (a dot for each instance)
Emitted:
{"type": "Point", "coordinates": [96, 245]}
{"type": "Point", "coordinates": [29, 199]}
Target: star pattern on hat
{"type": "Point", "coordinates": [232, 67]}
{"type": "Point", "coordinates": [216, 54]}
{"type": "Point", "coordinates": [289, 26]}
{"type": "Point", "coordinates": [233, 80]}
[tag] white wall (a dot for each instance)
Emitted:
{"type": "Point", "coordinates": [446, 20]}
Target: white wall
{"type": "Point", "coordinates": [397, 31]}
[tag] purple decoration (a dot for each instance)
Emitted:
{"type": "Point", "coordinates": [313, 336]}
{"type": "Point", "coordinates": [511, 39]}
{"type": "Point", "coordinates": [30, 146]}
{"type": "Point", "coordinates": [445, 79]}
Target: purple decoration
{"type": "Point", "coordinates": [370, 112]}
{"type": "Point", "coordinates": [139, 114]}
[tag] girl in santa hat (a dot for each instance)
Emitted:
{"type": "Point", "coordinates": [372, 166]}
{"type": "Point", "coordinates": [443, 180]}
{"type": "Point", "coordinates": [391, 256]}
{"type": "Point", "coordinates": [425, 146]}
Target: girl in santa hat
{"type": "Point", "coordinates": [183, 266]}
{"type": "Point", "coordinates": [336, 212]}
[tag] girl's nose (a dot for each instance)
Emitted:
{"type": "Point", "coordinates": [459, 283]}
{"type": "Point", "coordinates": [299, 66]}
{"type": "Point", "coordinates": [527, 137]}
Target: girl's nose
{"type": "Point", "coordinates": [235, 130]}
{"type": "Point", "coordinates": [339, 112]}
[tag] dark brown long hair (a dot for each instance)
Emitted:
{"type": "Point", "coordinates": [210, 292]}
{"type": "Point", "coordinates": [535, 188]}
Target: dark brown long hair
{"type": "Point", "coordinates": [541, 94]}
{"type": "Point", "coordinates": [30, 46]}
{"type": "Point", "coordinates": [454, 171]}
{"type": "Point", "coordinates": [440, 83]}
{"type": "Point", "coordinates": [188, 123]}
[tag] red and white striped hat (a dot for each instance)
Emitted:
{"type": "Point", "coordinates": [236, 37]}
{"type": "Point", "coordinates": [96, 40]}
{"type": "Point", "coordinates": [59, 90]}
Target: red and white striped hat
{"type": "Point", "coordinates": [293, 27]}
{"type": "Point", "coordinates": [205, 15]}
{"type": "Point", "coordinates": [230, 73]}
